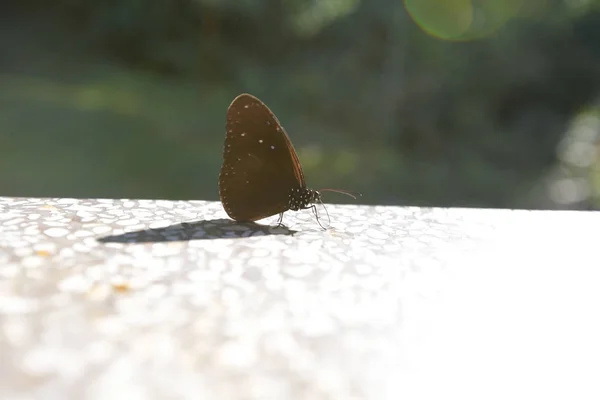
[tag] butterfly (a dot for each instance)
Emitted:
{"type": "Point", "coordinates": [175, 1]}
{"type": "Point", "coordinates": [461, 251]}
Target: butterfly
{"type": "Point", "coordinates": [261, 175]}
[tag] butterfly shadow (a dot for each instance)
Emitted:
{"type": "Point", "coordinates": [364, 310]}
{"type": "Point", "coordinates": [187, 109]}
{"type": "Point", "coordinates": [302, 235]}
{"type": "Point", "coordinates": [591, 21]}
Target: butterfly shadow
{"type": "Point", "coordinates": [198, 230]}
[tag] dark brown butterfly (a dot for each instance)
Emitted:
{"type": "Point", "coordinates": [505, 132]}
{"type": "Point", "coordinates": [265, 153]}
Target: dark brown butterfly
{"type": "Point", "coordinates": [261, 175]}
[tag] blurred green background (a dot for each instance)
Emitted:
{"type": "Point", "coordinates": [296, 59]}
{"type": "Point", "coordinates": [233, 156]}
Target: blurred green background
{"type": "Point", "coordinates": [423, 102]}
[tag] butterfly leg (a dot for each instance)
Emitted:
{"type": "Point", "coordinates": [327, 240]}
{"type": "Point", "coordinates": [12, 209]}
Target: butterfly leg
{"type": "Point", "coordinates": [314, 210]}
{"type": "Point", "coordinates": [280, 220]}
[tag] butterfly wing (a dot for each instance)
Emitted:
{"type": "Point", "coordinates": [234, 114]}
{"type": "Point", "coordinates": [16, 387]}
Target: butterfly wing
{"type": "Point", "coordinates": [260, 166]}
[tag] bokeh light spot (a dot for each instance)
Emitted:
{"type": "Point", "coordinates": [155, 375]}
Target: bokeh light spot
{"type": "Point", "coordinates": [460, 20]}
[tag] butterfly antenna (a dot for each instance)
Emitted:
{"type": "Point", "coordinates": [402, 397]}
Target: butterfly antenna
{"type": "Point", "coordinates": [346, 192]}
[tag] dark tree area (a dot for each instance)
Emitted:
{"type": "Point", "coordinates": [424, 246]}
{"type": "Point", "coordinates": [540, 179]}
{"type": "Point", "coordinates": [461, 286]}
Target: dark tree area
{"type": "Point", "coordinates": [378, 96]}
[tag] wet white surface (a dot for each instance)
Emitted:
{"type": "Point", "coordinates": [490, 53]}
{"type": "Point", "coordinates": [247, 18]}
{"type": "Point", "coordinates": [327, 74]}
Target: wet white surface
{"type": "Point", "coordinates": [141, 299]}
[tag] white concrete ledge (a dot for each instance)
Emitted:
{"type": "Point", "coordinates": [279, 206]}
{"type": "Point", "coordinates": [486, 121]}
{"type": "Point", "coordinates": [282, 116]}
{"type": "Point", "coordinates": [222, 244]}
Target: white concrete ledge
{"type": "Point", "coordinates": [145, 299]}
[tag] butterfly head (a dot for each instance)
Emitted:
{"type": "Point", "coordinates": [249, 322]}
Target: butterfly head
{"type": "Point", "coordinates": [302, 198]}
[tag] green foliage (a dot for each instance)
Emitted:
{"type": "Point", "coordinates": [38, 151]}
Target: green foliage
{"type": "Point", "coordinates": [373, 96]}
